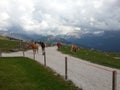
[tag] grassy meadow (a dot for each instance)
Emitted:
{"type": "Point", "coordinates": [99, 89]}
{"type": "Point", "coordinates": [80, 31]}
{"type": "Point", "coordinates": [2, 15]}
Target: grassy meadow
{"type": "Point", "coordinates": [18, 73]}
{"type": "Point", "coordinates": [7, 44]}
{"type": "Point", "coordinates": [95, 56]}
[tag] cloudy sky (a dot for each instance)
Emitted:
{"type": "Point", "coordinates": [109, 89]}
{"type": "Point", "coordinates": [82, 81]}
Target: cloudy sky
{"type": "Point", "coordinates": [59, 16]}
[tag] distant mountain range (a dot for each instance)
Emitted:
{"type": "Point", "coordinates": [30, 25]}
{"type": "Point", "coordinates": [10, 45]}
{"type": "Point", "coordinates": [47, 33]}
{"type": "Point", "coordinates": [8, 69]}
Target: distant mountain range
{"type": "Point", "coordinates": [107, 41]}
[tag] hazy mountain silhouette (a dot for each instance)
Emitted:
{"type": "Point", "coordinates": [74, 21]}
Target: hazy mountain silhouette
{"type": "Point", "coordinates": [108, 41]}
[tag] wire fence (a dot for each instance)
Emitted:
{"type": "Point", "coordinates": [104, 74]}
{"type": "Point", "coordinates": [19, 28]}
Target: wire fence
{"type": "Point", "coordinates": [87, 76]}
{"type": "Point", "coordinates": [92, 78]}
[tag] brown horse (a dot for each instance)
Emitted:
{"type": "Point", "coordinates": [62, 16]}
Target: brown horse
{"type": "Point", "coordinates": [33, 46]}
{"type": "Point", "coordinates": [74, 48]}
{"type": "Point", "coordinates": [59, 44]}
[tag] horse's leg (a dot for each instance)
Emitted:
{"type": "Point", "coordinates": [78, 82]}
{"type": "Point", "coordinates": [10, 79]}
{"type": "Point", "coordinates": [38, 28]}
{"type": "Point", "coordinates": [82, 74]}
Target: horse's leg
{"type": "Point", "coordinates": [71, 49]}
{"type": "Point", "coordinates": [74, 50]}
{"type": "Point", "coordinates": [34, 51]}
{"type": "Point", "coordinates": [37, 50]}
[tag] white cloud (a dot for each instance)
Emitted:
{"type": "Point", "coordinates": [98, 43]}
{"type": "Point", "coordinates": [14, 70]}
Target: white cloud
{"type": "Point", "coordinates": [98, 32]}
{"type": "Point", "coordinates": [98, 4]}
{"type": "Point", "coordinates": [66, 29]}
{"type": "Point", "coordinates": [3, 21]}
{"type": "Point", "coordinates": [60, 16]}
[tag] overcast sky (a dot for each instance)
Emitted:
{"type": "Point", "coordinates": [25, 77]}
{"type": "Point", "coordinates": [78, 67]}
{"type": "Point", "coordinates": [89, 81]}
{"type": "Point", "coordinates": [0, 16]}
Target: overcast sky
{"type": "Point", "coordinates": [60, 16]}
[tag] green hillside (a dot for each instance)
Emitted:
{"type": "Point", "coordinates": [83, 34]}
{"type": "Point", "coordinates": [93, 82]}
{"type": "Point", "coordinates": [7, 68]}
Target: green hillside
{"type": "Point", "coordinates": [7, 43]}
{"type": "Point", "coordinates": [95, 56]}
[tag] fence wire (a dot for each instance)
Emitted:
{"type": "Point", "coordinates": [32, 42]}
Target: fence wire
{"type": "Point", "coordinates": [85, 75]}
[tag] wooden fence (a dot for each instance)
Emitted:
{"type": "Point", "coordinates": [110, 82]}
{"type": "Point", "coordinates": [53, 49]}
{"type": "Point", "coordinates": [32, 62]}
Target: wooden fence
{"type": "Point", "coordinates": [114, 73]}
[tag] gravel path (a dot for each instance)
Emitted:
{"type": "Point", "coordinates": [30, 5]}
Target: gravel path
{"type": "Point", "coordinates": [83, 74]}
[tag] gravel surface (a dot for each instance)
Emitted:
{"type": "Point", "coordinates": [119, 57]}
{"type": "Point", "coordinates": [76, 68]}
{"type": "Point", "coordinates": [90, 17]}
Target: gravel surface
{"type": "Point", "coordinates": [83, 74]}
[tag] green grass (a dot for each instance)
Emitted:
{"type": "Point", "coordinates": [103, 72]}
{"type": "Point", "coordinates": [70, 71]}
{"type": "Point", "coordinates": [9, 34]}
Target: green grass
{"type": "Point", "coordinates": [6, 44]}
{"type": "Point", "coordinates": [3, 38]}
{"type": "Point", "coordinates": [99, 57]}
{"type": "Point", "coordinates": [18, 73]}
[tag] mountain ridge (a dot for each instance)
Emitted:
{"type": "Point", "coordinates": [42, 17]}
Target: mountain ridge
{"type": "Point", "coordinates": [107, 41]}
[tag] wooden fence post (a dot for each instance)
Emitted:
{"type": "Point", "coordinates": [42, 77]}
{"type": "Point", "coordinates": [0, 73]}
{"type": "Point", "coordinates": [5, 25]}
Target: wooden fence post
{"type": "Point", "coordinates": [114, 80]}
{"type": "Point", "coordinates": [44, 58]}
{"type": "Point", "coordinates": [23, 53]}
{"type": "Point", "coordinates": [34, 55]}
{"type": "Point", "coordinates": [66, 76]}
{"type": "Point", "coordinates": [0, 53]}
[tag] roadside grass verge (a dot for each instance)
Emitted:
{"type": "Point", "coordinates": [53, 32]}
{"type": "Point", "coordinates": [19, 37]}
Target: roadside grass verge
{"type": "Point", "coordinates": [18, 73]}
{"type": "Point", "coordinates": [95, 56]}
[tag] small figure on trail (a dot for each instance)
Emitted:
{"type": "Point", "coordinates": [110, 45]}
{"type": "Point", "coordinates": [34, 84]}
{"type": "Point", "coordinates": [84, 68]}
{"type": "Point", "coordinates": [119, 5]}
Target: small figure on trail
{"type": "Point", "coordinates": [42, 44]}
{"type": "Point", "coordinates": [59, 44]}
{"type": "Point", "coordinates": [74, 48]}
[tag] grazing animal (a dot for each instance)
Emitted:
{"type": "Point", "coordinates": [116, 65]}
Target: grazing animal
{"type": "Point", "coordinates": [59, 44]}
{"type": "Point", "coordinates": [33, 46]}
{"type": "Point", "coordinates": [74, 48]}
